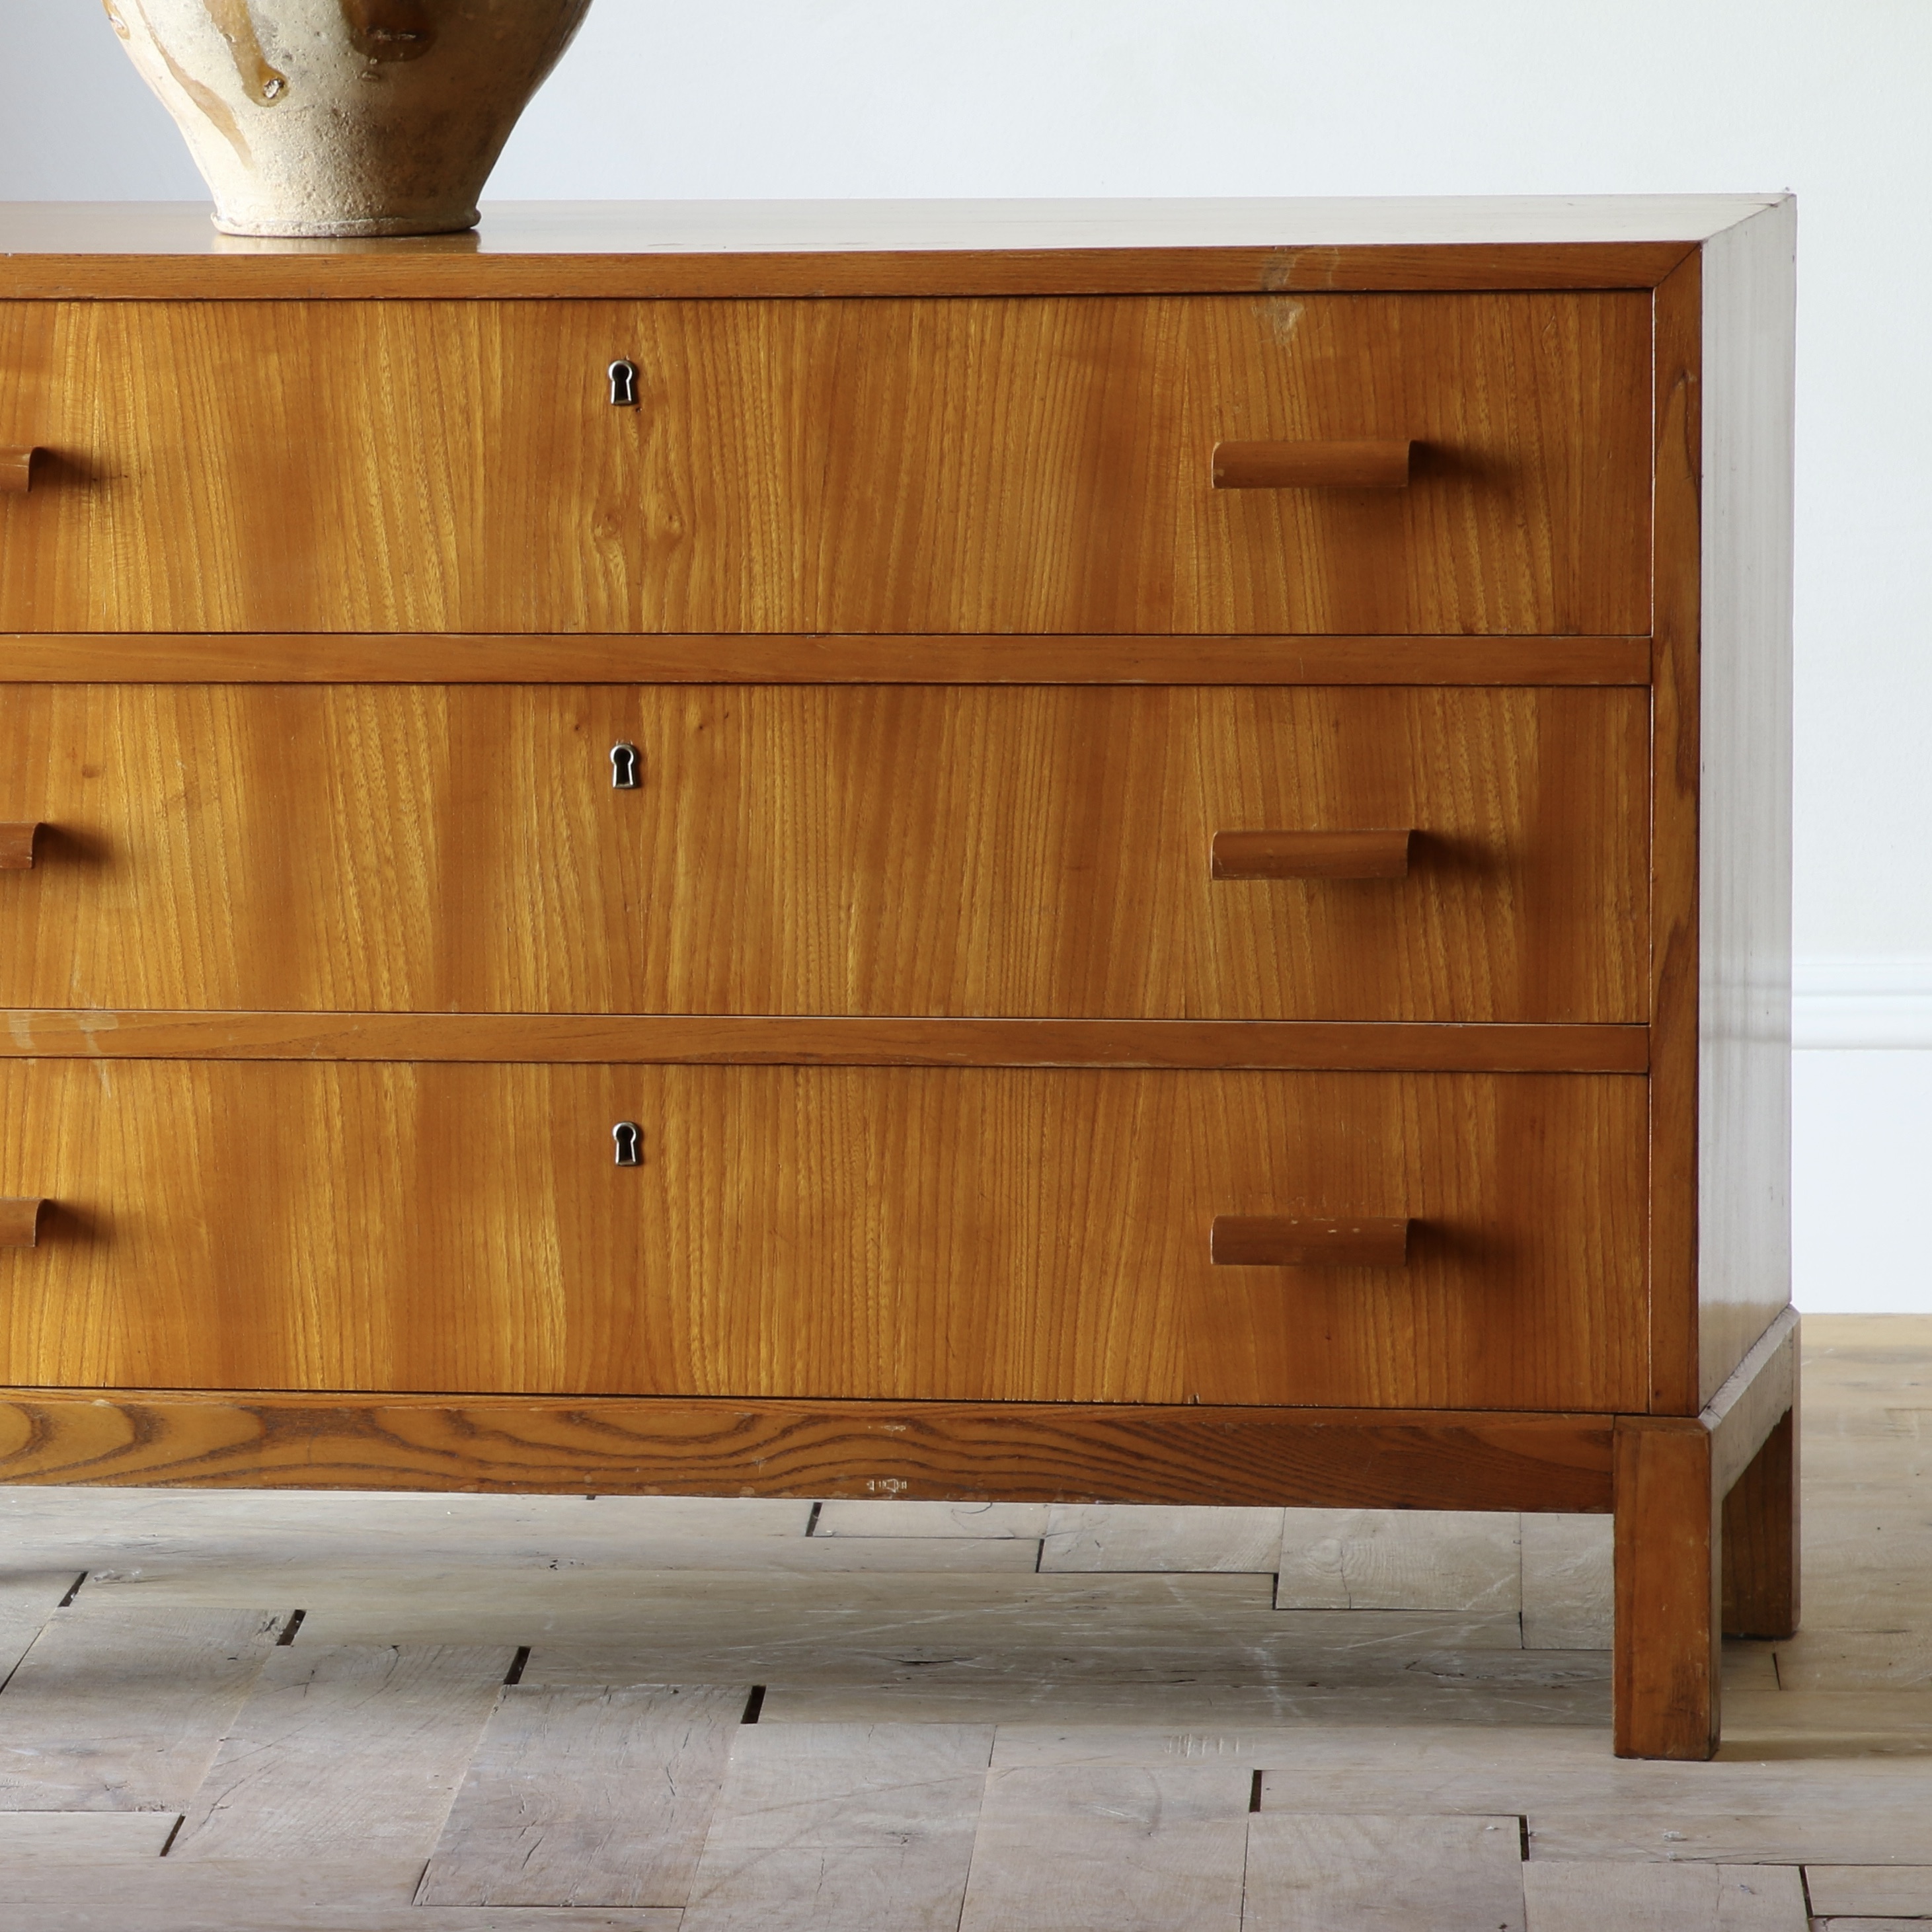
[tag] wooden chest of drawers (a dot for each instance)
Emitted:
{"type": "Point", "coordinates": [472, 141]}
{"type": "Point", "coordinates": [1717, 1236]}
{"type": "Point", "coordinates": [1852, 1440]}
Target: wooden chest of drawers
{"type": "Point", "coordinates": [1134, 855]}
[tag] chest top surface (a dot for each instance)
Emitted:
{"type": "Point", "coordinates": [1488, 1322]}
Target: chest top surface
{"type": "Point", "coordinates": [162, 250]}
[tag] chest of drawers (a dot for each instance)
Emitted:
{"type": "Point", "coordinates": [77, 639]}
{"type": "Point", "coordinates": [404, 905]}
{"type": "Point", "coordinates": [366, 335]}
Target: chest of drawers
{"type": "Point", "coordinates": [1114, 853]}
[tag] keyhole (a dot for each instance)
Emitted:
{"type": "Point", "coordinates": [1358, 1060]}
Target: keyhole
{"type": "Point", "coordinates": [628, 1139]}
{"type": "Point", "coordinates": [627, 768]}
{"type": "Point", "coordinates": [623, 385]}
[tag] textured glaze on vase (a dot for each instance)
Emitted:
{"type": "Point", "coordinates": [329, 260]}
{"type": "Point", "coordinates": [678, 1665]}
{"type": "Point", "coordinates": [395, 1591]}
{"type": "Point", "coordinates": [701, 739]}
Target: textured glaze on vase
{"type": "Point", "coordinates": [345, 117]}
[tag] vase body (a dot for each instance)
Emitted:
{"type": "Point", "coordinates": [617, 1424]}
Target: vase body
{"type": "Point", "coordinates": [345, 117]}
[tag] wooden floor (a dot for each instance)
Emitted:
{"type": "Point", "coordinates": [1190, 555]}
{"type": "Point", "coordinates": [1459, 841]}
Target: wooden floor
{"type": "Point", "coordinates": [366, 1712]}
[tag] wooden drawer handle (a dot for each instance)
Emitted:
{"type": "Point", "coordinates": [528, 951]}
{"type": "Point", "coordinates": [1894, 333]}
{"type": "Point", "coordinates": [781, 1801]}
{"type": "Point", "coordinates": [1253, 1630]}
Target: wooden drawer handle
{"type": "Point", "coordinates": [1310, 855]}
{"type": "Point", "coordinates": [16, 471]}
{"type": "Point", "coordinates": [1312, 466]}
{"type": "Point", "coordinates": [20, 1222]}
{"type": "Point", "coordinates": [16, 847]}
{"type": "Point", "coordinates": [1269, 1240]}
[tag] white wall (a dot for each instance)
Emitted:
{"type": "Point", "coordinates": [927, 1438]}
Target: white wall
{"type": "Point", "coordinates": [765, 98]}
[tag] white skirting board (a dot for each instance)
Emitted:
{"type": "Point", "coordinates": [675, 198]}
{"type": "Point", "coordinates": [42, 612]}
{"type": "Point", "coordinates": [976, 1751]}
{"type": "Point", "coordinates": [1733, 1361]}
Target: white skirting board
{"type": "Point", "coordinates": [1868, 1003]}
{"type": "Point", "coordinates": [1861, 1136]}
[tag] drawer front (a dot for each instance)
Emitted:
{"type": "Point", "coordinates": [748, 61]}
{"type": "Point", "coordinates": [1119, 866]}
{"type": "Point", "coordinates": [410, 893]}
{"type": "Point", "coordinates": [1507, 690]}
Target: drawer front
{"type": "Point", "coordinates": [995, 465]}
{"type": "Point", "coordinates": [983, 1234]}
{"type": "Point", "coordinates": [865, 851]}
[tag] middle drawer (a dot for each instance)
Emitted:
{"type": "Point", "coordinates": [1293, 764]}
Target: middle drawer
{"type": "Point", "coordinates": [859, 850]}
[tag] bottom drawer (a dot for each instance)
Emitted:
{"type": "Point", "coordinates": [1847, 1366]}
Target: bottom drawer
{"type": "Point", "coordinates": [984, 1234]}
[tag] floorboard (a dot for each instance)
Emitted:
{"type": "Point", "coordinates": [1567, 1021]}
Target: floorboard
{"type": "Point", "coordinates": [1597, 1896]}
{"type": "Point", "coordinates": [943, 1736]}
{"type": "Point", "coordinates": [1817, 1726]}
{"type": "Point", "coordinates": [1083, 1850]}
{"type": "Point", "coordinates": [267, 1895]}
{"type": "Point", "coordinates": [1353, 1764]}
{"type": "Point", "coordinates": [1319, 1872]}
{"type": "Point", "coordinates": [1897, 1829]}
{"type": "Point", "coordinates": [122, 1709]}
{"type": "Point", "coordinates": [1103, 1536]}
{"type": "Point", "coordinates": [339, 1750]}
{"type": "Point", "coordinates": [693, 1627]}
{"type": "Point", "coordinates": [641, 1565]}
{"type": "Point", "coordinates": [44, 1527]}
{"type": "Point", "coordinates": [82, 1838]}
{"type": "Point", "coordinates": [1185, 1700]}
{"type": "Point", "coordinates": [898, 1517]}
{"type": "Point", "coordinates": [843, 1827]}
{"type": "Point", "coordinates": [1821, 1658]}
{"type": "Point", "coordinates": [28, 1597]}
{"type": "Point", "coordinates": [579, 1796]}
{"type": "Point", "coordinates": [1902, 1892]}
{"type": "Point", "coordinates": [1567, 1592]}
{"type": "Point", "coordinates": [1458, 1560]}
{"type": "Point", "coordinates": [1835, 1924]}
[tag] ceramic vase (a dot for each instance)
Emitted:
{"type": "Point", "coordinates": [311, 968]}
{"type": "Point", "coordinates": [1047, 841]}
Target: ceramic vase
{"type": "Point", "coordinates": [345, 117]}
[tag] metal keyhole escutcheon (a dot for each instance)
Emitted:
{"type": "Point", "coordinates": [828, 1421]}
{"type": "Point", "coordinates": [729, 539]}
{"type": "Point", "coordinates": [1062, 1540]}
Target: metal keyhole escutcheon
{"type": "Point", "coordinates": [623, 385]}
{"type": "Point", "coordinates": [627, 767]}
{"type": "Point", "coordinates": [628, 1138]}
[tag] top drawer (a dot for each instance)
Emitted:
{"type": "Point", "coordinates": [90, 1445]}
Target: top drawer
{"type": "Point", "coordinates": [968, 465]}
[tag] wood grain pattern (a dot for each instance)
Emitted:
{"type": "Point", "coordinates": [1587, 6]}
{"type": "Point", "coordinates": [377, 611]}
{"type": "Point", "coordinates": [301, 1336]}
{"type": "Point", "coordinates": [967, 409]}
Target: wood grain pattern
{"type": "Point", "coordinates": [820, 1231]}
{"type": "Point", "coordinates": [1676, 690]}
{"type": "Point", "coordinates": [1102, 1537]}
{"type": "Point", "coordinates": [245, 657]}
{"type": "Point", "coordinates": [1186, 1706]}
{"type": "Point", "coordinates": [1668, 1635]}
{"type": "Point", "coordinates": [20, 1222]}
{"type": "Point", "coordinates": [88, 1839]}
{"type": "Point", "coordinates": [830, 1828]}
{"type": "Point", "coordinates": [1838, 1662]}
{"type": "Point", "coordinates": [955, 1631]}
{"type": "Point", "coordinates": [961, 466]}
{"type": "Point", "coordinates": [28, 1596]}
{"type": "Point", "coordinates": [1013, 1051]}
{"type": "Point", "coordinates": [454, 274]}
{"type": "Point", "coordinates": [1744, 658]}
{"type": "Point", "coordinates": [1568, 1591]}
{"type": "Point", "coordinates": [1761, 1390]}
{"type": "Point", "coordinates": [1337, 465]}
{"type": "Point", "coordinates": [1590, 1894]}
{"type": "Point", "coordinates": [1274, 1241]}
{"type": "Point", "coordinates": [647, 1562]}
{"type": "Point", "coordinates": [893, 849]}
{"type": "Point", "coordinates": [338, 1894]}
{"type": "Point", "coordinates": [579, 1796]}
{"type": "Point", "coordinates": [118, 1708]}
{"type": "Point", "coordinates": [1384, 1559]}
{"type": "Point", "coordinates": [1580, 1802]}
{"type": "Point", "coordinates": [602, 227]}
{"type": "Point", "coordinates": [1872, 1891]}
{"type": "Point", "coordinates": [1418, 1765]}
{"type": "Point", "coordinates": [1760, 1542]}
{"type": "Point", "coordinates": [1311, 855]}
{"type": "Point", "coordinates": [1136, 1850]}
{"type": "Point", "coordinates": [97, 1033]}
{"type": "Point", "coordinates": [1190, 1454]}
{"type": "Point", "coordinates": [218, 1531]}
{"type": "Point", "coordinates": [17, 846]}
{"type": "Point", "coordinates": [16, 471]}
{"type": "Point", "coordinates": [654, 249]}
{"type": "Point", "coordinates": [1315, 1874]}
{"type": "Point", "coordinates": [1852, 1829]}
{"type": "Point", "coordinates": [374, 1737]}
{"type": "Point", "coordinates": [883, 1519]}
{"type": "Point", "coordinates": [939, 1631]}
